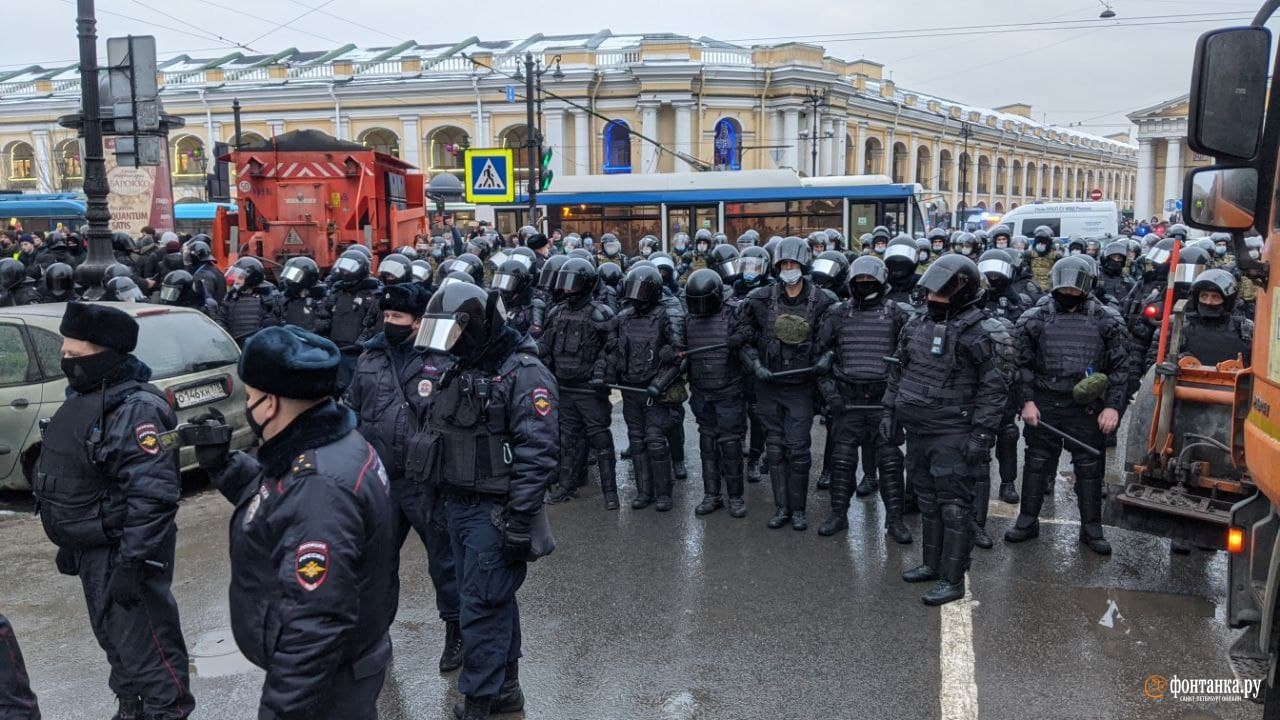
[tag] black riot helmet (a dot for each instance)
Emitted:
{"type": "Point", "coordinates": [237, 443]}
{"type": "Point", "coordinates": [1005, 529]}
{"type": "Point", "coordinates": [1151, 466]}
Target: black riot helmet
{"type": "Point", "coordinates": [770, 245]}
{"type": "Point", "coordinates": [394, 269]}
{"type": "Point", "coordinates": [1114, 256]}
{"type": "Point", "coordinates": [115, 270]}
{"type": "Point", "coordinates": [582, 254]}
{"type": "Point", "coordinates": [1073, 271]}
{"type": "Point", "coordinates": [643, 286]}
{"type": "Point", "coordinates": [549, 270]}
{"type": "Point", "coordinates": [179, 289]}
{"type": "Point", "coordinates": [724, 260]}
{"type": "Point", "coordinates": [648, 245]}
{"type": "Point", "coordinates": [793, 248]}
{"type": "Point", "coordinates": [880, 232]}
{"type": "Point", "coordinates": [471, 265]}
{"type": "Point", "coordinates": [1158, 257]}
{"type": "Point", "coordinates": [351, 268]}
{"type": "Point", "coordinates": [196, 251]}
{"type": "Point", "coordinates": [830, 270]}
{"type": "Point", "coordinates": [576, 278]}
{"type": "Point", "coordinates": [996, 265]}
{"type": "Point", "coordinates": [461, 319]}
{"type": "Point", "coordinates": [480, 246]}
{"type": "Point", "coordinates": [1178, 232]}
{"type": "Point", "coordinates": [704, 293]}
{"type": "Point", "coordinates": [611, 245]}
{"type": "Point", "coordinates": [956, 278]}
{"type": "Point", "coordinates": [702, 240]}
{"type": "Point", "coordinates": [247, 272]}
{"type": "Point", "coordinates": [753, 265]}
{"type": "Point", "coordinates": [1076, 246]}
{"type": "Point", "coordinates": [299, 273]}
{"type": "Point", "coordinates": [749, 238]}
{"type": "Point", "coordinates": [1213, 280]}
{"type": "Point", "coordinates": [363, 250]}
{"type": "Point", "coordinates": [12, 273]}
{"type": "Point", "coordinates": [123, 289]}
{"type": "Point", "coordinates": [1000, 236]}
{"type": "Point", "coordinates": [817, 241]}
{"type": "Point", "coordinates": [666, 266]}
{"type": "Point", "coordinates": [937, 238]}
{"type": "Point", "coordinates": [610, 274]}
{"type": "Point", "coordinates": [901, 258]}
{"type": "Point", "coordinates": [868, 280]}
{"type": "Point", "coordinates": [835, 239]}
{"type": "Point", "coordinates": [680, 242]}
{"type": "Point", "coordinates": [965, 244]}
{"type": "Point", "coordinates": [420, 271]}
{"type": "Point", "coordinates": [57, 280]}
{"type": "Point", "coordinates": [1191, 262]}
{"type": "Point", "coordinates": [408, 251]}
{"type": "Point", "coordinates": [512, 279]}
{"type": "Point", "coordinates": [524, 254]}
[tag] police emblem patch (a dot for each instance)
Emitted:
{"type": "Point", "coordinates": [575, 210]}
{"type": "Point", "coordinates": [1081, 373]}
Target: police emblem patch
{"type": "Point", "coordinates": [311, 565]}
{"type": "Point", "coordinates": [425, 387]}
{"type": "Point", "coordinates": [542, 401]}
{"type": "Point", "coordinates": [148, 437]}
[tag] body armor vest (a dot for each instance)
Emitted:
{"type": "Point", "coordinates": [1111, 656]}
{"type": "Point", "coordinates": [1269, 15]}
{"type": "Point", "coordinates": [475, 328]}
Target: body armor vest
{"type": "Point", "coordinates": [780, 357]}
{"type": "Point", "coordinates": [710, 370]}
{"type": "Point", "coordinates": [865, 339]}
{"type": "Point", "coordinates": [1070, 346]}
{"type": "Point", "coordinates": [348, 315]}
{"type": "Point", "coordinates": [1213, 341]}
{"type": "Point", "coordinates": [639, 345]}
{"type": "Point", "coordinates": [473, 428]}
{"type": "Point", "coordinates": [246, 312]}
{"type": "Point", "coordinates": [932, 375]}
{"type": "Point", "coordinates": [577, 344]}
{"type": "Point", "coordinates": [300, 311]}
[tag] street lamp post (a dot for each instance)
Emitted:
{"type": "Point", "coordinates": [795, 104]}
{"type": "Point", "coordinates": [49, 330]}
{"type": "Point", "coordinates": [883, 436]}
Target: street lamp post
{"type": "Point", "coordinates": [89, 274]}
{"type": "Point", "coordinates": [966, 133]}
{"type": "Point", "coordinates": [533, 72]}
{"type": "Point", "coordinates": [814, 98]}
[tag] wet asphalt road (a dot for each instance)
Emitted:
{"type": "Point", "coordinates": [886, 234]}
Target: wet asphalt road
{"type": "Point", "coordinates": [651, 615]}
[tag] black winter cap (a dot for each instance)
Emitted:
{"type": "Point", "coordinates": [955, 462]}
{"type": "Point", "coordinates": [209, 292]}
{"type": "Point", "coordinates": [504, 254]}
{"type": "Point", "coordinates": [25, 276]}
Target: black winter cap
{"type": "Point", "coordinates": [536, 241]}
{"type": "Point", "coordinates": [406, 298]}
{"type": "Point", "coordinates": [290, 362]}
{"type": "Point", "coordinates": [100, 324]}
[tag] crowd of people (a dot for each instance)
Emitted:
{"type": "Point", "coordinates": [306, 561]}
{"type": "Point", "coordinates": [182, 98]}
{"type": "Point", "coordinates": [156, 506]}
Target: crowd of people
{"type": "Point", "coordinates": [453, 387]}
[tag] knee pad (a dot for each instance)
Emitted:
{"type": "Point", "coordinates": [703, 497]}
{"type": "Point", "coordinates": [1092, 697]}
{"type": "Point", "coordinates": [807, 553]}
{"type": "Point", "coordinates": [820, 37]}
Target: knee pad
{"type": "Point", "coordinates": [602, 441]}
{"type": "Point", "coordinates": [844, 458]}
{"type": "Point", "coordinates": [730, 449]}
{"type": "Point", "coordinates": [774, 453]}
{"type": "Point", "coordinates": [1088, 467]}
{"type": "Point", "coordinates": [1038, 460]}
{"type": "Point", "coordinates": [1009, 434]}
{"type": "Point", "coordinates": [889, 458]}
{"type": "Point", "coordinates": [657, 449]}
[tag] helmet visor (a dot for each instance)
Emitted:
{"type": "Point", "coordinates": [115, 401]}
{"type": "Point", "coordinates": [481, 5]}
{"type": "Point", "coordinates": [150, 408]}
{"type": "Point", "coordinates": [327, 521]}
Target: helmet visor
{"type": "Point", "coordinates": [568, 282]}
{"type": "Point", "coordinates": [998, 267]}
{"type": "Point", "coordinates": [1186, 273]}
{"type": "Point", "coordinates": [526, 262]}
{"type": "Point", "coordinates": [292, 274]}
{"type": "Point", "coordinates": [236, 276]}
{"type": "Point", "coordinates": [1158, 255]}
{"type": "Point", "coordinates": [729, 268]}
{"type": "Point", "coordinates": [498, 258]}
{"type": "Point", "coordinates": [900, 251]}
{"type": "Point", "coordinates": [394, 268]}
{"type": "Point", "coordinates": [825, 266]}
{"type": "Point", "coordinates": [703, 304]}
{"type": "Point", "coordinates": [1072, 276]}
{"type": "Point", "coordinates": [612, 247]}
{"type": "Point", "coordinates": [421, 273]}
{"type": "Point", "coordinates": [132, 294]}
{"type": "Point", "coordinates": [504, 282]}
{"type": "Point", "coordinates": [170, 293]}
{"type": "Point", "coordinates": [751, 265]}
{"type": "Point", "coordinates": [347, 265]}
{"type": "Point", "coordinates": [438, 333]}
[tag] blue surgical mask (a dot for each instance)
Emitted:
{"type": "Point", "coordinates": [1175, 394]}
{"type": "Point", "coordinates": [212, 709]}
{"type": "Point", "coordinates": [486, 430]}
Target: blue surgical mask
{"type": "Point", "coordinates": [790, 277]}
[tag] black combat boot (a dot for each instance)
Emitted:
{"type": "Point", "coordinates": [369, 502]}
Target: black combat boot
{"type": "Point", "coordinates": [473, 708]}
{"type": "Point", "coordinates": [981, 498]}
{"type": "Point", "coordinates": [869, 483]}
{"type": "Point", "coordinates": [753, 462]}
{"type": "Point", "coordinates": [891, 492]}
{"type": "Point", "coordinates": [841, 491]}
{"type": "Point", "coordinates": [565, 488]}
{"type": "Point", "coordinates": [644, 482]}
{"type": "Point", "coordinates": [711, 498]}
{"type": "Point", "coordinates": [778, 481]}
{"type": "Point", "coordinates": [956, 542]}
{"type": "Point", "coordinates": [660, 471]}
{"type": "Point", "coordinates": [798, 493]}
{"type": "Point", "coordinates": [731, 469]}
{"type": "Point", "coordinates": [451, 654]}
{"type": "Point", "coordinates": [1035, 478]}
{"type": "Point", "coordinates": [824, 479]}
{"type": "Point", "coordinates": [510, 696]}
{"type": "Point", "coordinates": [128, 708]}
{"type": "Point", "coordinates": [1007, 459]}
{"type": "Point", "coordinates": [609, 480]}
{"type": "Point", "coordinates": [931, 543]}
{"type": "Point", "coordinates": [627, 453]}
{"type": "Point", "coordinates": [1089, 499]}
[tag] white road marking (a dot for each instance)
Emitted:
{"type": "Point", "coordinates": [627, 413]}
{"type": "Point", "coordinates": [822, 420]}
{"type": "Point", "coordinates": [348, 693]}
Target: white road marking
{"type": "Point", "coordinates": [958, 690]}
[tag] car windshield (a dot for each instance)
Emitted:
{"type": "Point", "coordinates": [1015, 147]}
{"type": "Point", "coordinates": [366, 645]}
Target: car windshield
{"type": "Point", "coordinates": [174, 344]}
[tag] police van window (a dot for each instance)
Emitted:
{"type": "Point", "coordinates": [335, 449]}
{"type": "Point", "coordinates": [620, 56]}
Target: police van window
{"type": "Point", "coordinates": [1029, 225]}
{"type": "Point", "coordinates": [181, 343]}
{"type": "Point", "coordinates": [862, 218]}
{"type": "Point", "coordinates": [15, 365]}
{"type": "Point", "coordinates": [48, 352]}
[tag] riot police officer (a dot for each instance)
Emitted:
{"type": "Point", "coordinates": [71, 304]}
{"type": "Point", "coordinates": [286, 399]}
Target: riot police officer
{"type": "Point", "coordinates": [901, 258]}
{"type": "Point", "coordinates": [17, 701]}
{"type": "Point", "coordinates": [1043, 255]}
{"type": "Point", "coordinates": [313, 557]}
{"type": "Point", "coordinates": [779, 326]}
{"type": "Point", "coordinates": [1003, 306]}
{"type": "Point", "coordinates": [57, 284]}
{"type": "Point", "coordinates": [966, 244]}
{"type": "Point", "coordinates": [1214, 330]}
{"type": "Point", "coordinates": [1114, 282]}
{"type": "Point", "coordinates": [753, 273]}
{"type": "Point", "coordinates": [352, 306]}
{"type": "Point", "coordinates": [1065, 341]}
{"type": "Point", "coordinates": [610, 285]}
{"type": "Point", "coordinates": [948, 393]}
{"type": "Point", "coordinates": [300, 301]}
{"type": "Point", "coordinates": [1001, 235]}
{"type": "Point", "coordinates": [250, 304]}
{"type": "Point", "coordinates": [644, 344]}
{"type": "Point", "coordinates": [198, 258]}
{"type": "Point", "coordinates": [526, 312]}
{"type": "Point", "coordinates": [182, 290]}
{"type": "Point", "coordinates": [861, 332]}
{"type": "Point", "coordinates": [716, 395]}
{"type": "Point", "coordinates": [610, 250]}
{"type": "Point", "coordinates": [572, 347]}
{"type": "Point", "coordinates": [15, 287]}
{"type": "Point", "coordinates": [495, 414]}
{"type": "Point", "coordinates": [107, 492]}
{"type": "Point", "coordinates": [938, 239]}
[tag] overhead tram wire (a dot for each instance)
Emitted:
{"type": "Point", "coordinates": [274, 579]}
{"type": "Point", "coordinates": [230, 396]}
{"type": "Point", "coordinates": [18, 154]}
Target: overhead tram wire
{"type": "Point", "coordinates": [700, 164]}
{"type": "Point", "coordinates": [290, 22]}
{"type": "Point", "coordinates": [213, 37]}
{"type": "Point", "coordinates": [269, 21]}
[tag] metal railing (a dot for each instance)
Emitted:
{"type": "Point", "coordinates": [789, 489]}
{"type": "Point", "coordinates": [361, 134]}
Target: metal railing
{"type": "Point", "coordinates": [617, 58]}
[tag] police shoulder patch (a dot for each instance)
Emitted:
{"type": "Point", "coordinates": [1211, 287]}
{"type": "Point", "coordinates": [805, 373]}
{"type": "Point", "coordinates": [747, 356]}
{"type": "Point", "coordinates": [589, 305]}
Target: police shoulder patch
{"type": "Point", "coordinates": [425, 387]}
{"type": "Point", "coordinates": [541, 401]}
{"type": "Point", "coordinates": [311, 564]}
{"type": "Point", "coordinates": [148, 438]}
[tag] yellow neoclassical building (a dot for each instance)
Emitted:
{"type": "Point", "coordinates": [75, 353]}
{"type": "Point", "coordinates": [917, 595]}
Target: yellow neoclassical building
{"type": "Point", "coordinates": [706, 105]}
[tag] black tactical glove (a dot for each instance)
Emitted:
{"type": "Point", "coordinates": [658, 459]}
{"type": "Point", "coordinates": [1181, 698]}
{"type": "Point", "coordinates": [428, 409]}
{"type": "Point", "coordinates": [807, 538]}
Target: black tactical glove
{"type": "Point", "coordinates": [666, 355]}
{"type": "Point", "coordinates": [977, 449]}
{"type": "Point", "coordinates": [516, 540]}
{"type": "Point", "coordinates": [762, 373]}
{"type": "Point", "coordinates": [888, 428]}
{"type": "Point", "coordinates": [125, 586]}
{"type": "Point", "coordinates": [653, 391]}
{"type": "Point", "coordinates": [212, 458]}
{"type": "Point", "coordinates": [597, 378]}
{"type": "Point", "coordinates": [823, 365]}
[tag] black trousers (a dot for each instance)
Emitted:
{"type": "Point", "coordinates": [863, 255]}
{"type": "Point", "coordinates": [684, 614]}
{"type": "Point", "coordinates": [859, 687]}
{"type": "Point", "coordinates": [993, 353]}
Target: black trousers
{"type": "Point", "coordinates": [144, 644]}
{"type": "Point", "coordinates": [422, 510]}
{"type": "Point", "coordinates": [721, 414]}
{"type": "Point", "coordinates": [585, 416]}
{"type": "Point", "coordinates": [17, 702]}
{"type": "Point", "coordinates": [942, 476]}
{"type": "Point", "coordinates": [786, 411]}
{"type": "Point", "coordinates": [648, 424]}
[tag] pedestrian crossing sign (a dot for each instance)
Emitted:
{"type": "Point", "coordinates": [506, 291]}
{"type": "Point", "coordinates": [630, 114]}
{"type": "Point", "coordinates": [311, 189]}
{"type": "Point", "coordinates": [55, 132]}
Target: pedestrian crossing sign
{"type": "Point", "coordinates": [490, 175]}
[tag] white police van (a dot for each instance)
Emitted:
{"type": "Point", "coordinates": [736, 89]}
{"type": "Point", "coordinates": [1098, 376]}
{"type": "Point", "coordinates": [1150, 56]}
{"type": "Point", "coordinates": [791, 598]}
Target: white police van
{"type": "Point", "coordinates": [1067, 219]}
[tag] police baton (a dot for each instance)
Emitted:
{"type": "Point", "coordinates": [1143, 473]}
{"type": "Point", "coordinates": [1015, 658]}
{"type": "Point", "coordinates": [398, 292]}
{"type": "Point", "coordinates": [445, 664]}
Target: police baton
{"type": "Point", "coordinates": [1087, 448]}
{"type": "Point", "coordinates": [703, 349]}
{"type": "Point", "coordinates": [790, 373]}
{"type": "Point", "coordinates": [629, 388]}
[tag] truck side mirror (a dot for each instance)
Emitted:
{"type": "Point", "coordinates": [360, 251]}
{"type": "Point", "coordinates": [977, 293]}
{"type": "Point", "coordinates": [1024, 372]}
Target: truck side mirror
{"type": "Point", "coordinates": [1221, 197]}
{"type": "Point", "coordinates": [1229, 92]}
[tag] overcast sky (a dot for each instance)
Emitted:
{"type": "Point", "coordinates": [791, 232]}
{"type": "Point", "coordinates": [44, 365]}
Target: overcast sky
{"type": "Point", "coordinates": [1073, 67]}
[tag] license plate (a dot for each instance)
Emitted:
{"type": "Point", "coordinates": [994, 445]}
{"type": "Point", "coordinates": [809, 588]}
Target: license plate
{"type": "Point", "coordinates": [200, 394]}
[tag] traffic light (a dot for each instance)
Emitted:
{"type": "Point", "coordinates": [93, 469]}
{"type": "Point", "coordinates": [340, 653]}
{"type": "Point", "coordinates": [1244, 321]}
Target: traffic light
{"type": "Point", "coordinates": [544, 170]}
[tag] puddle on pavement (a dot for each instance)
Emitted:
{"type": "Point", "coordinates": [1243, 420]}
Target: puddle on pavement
{"type": "Point", "coordinates": [214, 654]}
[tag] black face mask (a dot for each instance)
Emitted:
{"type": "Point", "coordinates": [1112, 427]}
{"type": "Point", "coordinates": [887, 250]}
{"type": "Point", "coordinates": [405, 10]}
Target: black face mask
{"type": "Point", "coordinates": [256, 428]}
{"type": "Point", "coordinates": [1210, 312]}
{"type": "Point", "coordinates": [938, 310]}
{"type": "Point", "coordinates": [1068, 302]}
{"type": "Point", "coordinates": [1113, 267]}
{"type": "Point", "coordinates": [396, 333]}
{"type": "Point", "coordinates": [85, 374]}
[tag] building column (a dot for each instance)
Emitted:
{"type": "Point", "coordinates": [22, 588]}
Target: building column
{"type": "Point", "coordinates": [648, 126]}
{"type": "Point", "coordinates": [1172, 169]}
{"type": "Point", "coordinates": [956, 197]}
{"type": "Point", "coordinates": [581, 143]}
{"type": "Point", "coordinates": [1022, 187]}
{"type": "Point", "coordinates": [913, 151]}
{"type": "Point", "coordinates": [555, 138]}
{"type": "Point", "coordinates": [827, 162]}
{"type": "Point", "coordinates": [410, 140]}
{"type": "Point", "coordinates": [860, 150]}
{"type": "Point", "coordinates": [1008, 183]}
{"type": "Point", "coordinates": [44, 161]}
{"type": "Point", "coordinates": [684, 134]}
{"type": "Point", "coordinates": [935, 165]}
{"type": "Point", "coordinates": [1142, 201]}
{"type": "Point", "coordinates": [842, 146]}
{"type": "Point", "coordinates": [791, 138]}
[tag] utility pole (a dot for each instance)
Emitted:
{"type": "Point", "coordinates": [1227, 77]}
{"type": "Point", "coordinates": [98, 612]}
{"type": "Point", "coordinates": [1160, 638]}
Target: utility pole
{"type": "Point", "coordinates": [814, 98]}
{"type": "Point", "coordinates": [89, 274]}
{"type": "Point", "coordinates": [965, 133]}
{"type": "Point", "coordinates": [530, 139]}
